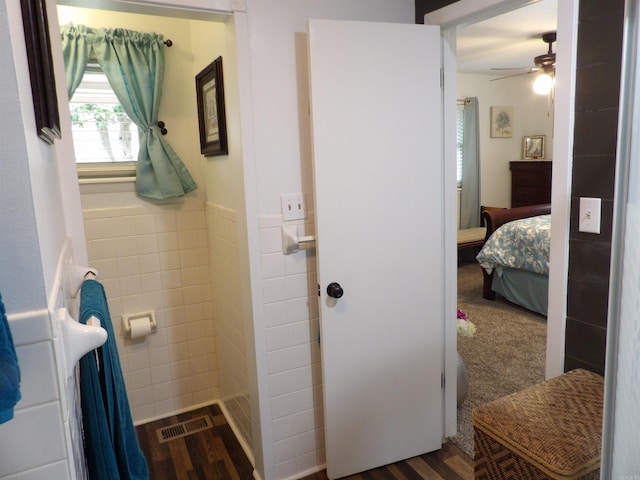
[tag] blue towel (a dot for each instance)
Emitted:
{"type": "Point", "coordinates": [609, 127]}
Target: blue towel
{"type": "Point", "coordinates": [9, 369]}
{"type": "Point", "coordinates": [111, 446]}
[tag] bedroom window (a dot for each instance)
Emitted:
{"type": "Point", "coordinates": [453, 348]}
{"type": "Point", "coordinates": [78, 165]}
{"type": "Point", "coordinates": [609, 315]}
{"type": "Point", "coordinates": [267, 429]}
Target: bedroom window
{"type": "Point", "coordinates": [105, 140]}
{"type": "Point", "coordinates": [459, 141]}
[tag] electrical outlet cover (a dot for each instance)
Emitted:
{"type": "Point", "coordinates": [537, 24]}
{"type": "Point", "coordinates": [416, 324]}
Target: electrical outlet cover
{"type": "Point", "coordinates": [589, 220]}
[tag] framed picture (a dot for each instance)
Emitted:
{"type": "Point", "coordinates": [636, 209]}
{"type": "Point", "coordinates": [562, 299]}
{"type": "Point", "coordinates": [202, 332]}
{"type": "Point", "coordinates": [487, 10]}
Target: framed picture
{"type": "Point", "coordinates": [43, 85]}
{"type": "Point", "coordinates": [211, 114]}
{"type": "Point", "coordinates": [501, 122]}
{"type": "Point", "coordinates": [533, 147]}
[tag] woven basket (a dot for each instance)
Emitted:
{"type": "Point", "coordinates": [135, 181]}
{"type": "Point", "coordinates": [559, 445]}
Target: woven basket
{"type": "Point", "coordinates": [552, 430]}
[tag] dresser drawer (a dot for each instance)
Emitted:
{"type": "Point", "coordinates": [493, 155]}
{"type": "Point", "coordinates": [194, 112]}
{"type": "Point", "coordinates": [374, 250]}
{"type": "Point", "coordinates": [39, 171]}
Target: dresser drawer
{"type": "Point", "coordinates": [530, 196]}
{"type": "Point", "coordinates": [530, 182]}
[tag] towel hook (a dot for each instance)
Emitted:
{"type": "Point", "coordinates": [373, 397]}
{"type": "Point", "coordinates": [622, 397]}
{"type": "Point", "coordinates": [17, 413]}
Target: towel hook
{"type": "Point", "coordinates": [78, 274]}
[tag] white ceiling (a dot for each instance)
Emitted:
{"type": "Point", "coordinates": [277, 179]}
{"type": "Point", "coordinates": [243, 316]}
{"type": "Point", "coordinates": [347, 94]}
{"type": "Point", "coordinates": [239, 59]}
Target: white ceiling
{"type": "Point", "coordinates": [509, 40]}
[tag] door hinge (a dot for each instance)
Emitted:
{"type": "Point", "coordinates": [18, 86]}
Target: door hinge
{"type": "Point", "coordinates": [441, 77]}
{"type": "Point", "coordinates": [442, 380]}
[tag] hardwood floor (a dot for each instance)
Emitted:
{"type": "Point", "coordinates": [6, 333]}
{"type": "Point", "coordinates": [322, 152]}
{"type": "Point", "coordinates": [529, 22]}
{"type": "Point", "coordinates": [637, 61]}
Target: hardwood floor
{"type": "Point", "coordinates": [216, 454]}
{"type": "Point", "coordinates": [209, 454]}
{"type": "Point", "coordinates": [449, 463]}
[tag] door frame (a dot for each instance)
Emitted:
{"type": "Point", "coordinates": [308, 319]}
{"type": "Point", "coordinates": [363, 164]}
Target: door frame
{"type": "Point", "coordinates": [466, 12]}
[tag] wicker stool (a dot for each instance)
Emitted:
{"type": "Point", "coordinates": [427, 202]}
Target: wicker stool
{"type": "Point", "coordinates": [551, 430]}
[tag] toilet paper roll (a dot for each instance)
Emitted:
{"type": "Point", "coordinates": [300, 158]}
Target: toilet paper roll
{"type": "Point", "coordinates": [140, 327]}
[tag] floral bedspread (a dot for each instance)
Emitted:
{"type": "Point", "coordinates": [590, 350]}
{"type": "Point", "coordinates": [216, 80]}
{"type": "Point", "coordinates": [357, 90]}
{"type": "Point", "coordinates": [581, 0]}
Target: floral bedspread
{"type": "Point", "coordinates": [523, 244]}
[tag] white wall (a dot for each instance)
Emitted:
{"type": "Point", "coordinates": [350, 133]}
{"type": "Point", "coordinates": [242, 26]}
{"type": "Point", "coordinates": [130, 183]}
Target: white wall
{"type": "Point", "coordinates": [530, 117]}
{"type": "Point", "coordinates": [279, 78]}
{"type": "Point", "coordinates": [22, 280]}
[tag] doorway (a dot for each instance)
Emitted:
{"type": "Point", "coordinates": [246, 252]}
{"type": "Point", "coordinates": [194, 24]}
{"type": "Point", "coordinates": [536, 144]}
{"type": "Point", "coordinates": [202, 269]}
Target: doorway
{"type": "Point", "coordinates": [453, 17]}
{"type": "Point", "coordinates": [167, 256]}
{"type": "Point", "coordinates": [496, 68]}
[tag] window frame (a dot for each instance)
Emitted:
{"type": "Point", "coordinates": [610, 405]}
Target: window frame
{"type": "Point", "coordinates": [103, 172]}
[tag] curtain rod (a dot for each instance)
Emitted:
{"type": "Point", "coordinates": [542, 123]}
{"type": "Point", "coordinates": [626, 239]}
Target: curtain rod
{"type": "Point", "coordinates": [168, 42]}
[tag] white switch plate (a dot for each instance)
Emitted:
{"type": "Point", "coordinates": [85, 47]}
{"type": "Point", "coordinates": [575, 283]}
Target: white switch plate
{"type": "Point", "coordinates": [589, 215]}
{"type": "Point", "coordinates": [293, 206]}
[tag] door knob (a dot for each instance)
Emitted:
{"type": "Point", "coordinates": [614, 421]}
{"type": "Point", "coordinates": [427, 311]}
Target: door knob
{"type": "Point", "coordinates": [334, 290]}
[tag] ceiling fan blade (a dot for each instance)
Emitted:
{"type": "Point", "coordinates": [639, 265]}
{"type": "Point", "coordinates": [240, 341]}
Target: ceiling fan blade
{"type": "Point", "coordinates": [514, 75]}
{"type": "Point", "coordinates": [511, 68]}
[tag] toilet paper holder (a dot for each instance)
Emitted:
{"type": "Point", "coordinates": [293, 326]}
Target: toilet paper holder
{"type": "Point", "coordinates": [127, 319]}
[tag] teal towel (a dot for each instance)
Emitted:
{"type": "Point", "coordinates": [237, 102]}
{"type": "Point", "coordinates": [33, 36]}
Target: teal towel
{"type": "Point", "coordinates": [111, 446]}
{"type": "Point", "coordinates": [9, 369]}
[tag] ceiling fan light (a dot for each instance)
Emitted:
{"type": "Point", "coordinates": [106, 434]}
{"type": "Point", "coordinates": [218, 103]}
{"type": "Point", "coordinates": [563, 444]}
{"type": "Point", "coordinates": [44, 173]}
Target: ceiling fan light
{"type": "Point", "coordinates": [542, 84]}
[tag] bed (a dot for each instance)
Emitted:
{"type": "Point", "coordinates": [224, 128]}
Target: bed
{"type": "Point", "coordinates": [515, 258]}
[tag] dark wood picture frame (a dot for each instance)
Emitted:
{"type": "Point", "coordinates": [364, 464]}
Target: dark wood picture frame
{"type": "Point", "coordinates": [43, 85]}
{"type": "Point", "coordinates": [211, 112]}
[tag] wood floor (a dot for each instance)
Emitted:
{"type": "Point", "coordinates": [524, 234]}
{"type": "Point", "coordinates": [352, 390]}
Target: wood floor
{"type": "Point", "coordinates": [216, 454]}
{"type": "Point", "coordinates": [209, 454]}
{"type": "Point", "coordinates": [449, 463]}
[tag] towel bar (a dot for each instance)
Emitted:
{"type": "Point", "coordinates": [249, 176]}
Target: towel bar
{"type": "Point", "coordinates": [78, 339]}
{"type": "Point", "coordinates": [291, 242]}
{"type": "Point", "coordinates": [77, 275]}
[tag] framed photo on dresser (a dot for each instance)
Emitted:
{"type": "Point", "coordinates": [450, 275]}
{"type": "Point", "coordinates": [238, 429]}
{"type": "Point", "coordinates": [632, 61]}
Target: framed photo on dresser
{"type": "Point", "coordinates": [533, 147]}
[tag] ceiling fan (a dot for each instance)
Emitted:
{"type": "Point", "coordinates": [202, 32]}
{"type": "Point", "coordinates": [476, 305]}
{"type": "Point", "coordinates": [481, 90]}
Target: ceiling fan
{"type": "Point", "coordinates": [545, 62]}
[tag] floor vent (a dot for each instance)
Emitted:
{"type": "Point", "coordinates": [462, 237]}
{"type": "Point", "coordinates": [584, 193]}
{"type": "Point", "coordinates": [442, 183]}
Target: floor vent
{"type": "Point", "coordinates": [183, 429]}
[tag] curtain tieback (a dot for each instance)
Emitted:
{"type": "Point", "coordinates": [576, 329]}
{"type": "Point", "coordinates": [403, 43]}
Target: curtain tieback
{"type": "Point", "coordinates": [163, 130]}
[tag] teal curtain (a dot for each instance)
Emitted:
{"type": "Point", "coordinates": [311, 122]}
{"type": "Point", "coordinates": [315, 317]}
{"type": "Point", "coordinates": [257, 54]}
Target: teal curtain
{"type": "Point", "coordinates": [470, 191]}
{"type": "Point", "coordinates": [75, 50]}
{"type": "Point", "coordinates": [134, 65]}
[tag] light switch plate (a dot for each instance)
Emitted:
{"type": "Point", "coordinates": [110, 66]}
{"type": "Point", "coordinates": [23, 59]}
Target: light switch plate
{"type": "Point", "coordinates": [293, 206]}
{"type": "Point", "coordinates": [589, 220]}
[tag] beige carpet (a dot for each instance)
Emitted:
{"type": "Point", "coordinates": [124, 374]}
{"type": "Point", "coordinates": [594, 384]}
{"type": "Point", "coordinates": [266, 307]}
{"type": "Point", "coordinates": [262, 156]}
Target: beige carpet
{"type": "Point", "coordinates": [506, 354]}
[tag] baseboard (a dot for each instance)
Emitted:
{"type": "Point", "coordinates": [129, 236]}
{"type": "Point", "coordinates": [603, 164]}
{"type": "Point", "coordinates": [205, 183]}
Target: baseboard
{"type": "Point", "coordinates": [248, 451]}
{"type": "Point", "coordinates": [308, 472]}
{"type": "Point", "coordinates": [176, 412]}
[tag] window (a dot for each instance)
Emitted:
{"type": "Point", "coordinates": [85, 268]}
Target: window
{"type": "Point", "coordinates": [105, 140]}
{"type": "Point", "coordinates": [459, 141]}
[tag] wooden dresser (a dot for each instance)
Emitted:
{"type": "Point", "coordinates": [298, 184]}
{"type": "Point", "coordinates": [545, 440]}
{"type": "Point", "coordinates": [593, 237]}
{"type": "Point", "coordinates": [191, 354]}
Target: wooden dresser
{"type": "Point", "coordinates": [530, 182]}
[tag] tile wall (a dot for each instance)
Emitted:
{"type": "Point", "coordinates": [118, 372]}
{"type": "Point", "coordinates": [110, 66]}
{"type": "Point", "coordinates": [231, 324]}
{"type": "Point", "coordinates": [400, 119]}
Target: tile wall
{"type": "Point", "coordinates": [295, 380]}
{"type": "Point", "coordinates": [152, 257]}
{"type": "Point", "coordinates": [33, 442]}
{"type": "Point", "coordinates": [229, 320]}
{"type": "Point", "coordinates": [43, 440]}
{"type": "Point", "coordinates": [600, 28]}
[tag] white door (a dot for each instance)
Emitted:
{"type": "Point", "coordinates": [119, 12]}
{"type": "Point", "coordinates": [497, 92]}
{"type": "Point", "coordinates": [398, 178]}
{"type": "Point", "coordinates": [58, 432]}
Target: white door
{"type": "Point", "coordinates": [376, 124]}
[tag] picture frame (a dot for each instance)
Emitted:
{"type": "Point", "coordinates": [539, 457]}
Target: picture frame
{"type": "Point", "coordinates": [211, 110]}
{"type": "Point", "coordinates": [43, 85]}
{"type": "Point", "coordinates": [501, 122]}
{"type": "Point", "coordinates": [533, 147]}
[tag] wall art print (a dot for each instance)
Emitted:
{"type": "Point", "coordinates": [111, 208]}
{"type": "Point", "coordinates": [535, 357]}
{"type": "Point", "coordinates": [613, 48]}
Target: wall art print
{"type": "Point", "coordinates": [211, 111]}
{"type": "Point", "coordinates": [501, 122]}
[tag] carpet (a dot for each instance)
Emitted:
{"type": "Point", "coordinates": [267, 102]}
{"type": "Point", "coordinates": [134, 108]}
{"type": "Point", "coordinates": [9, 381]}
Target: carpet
{"type": "Point", "coordinates": [506, 354]}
